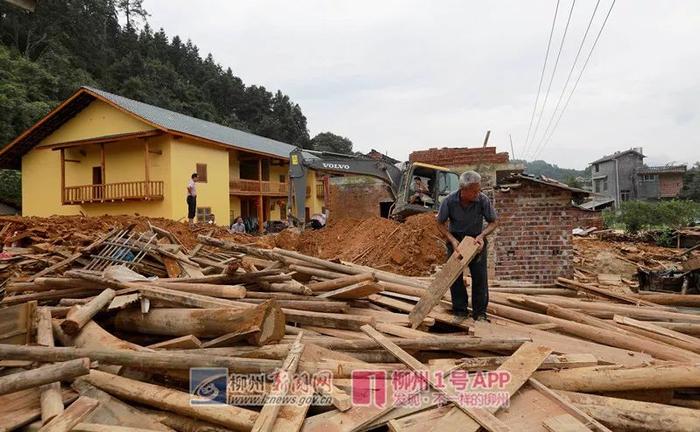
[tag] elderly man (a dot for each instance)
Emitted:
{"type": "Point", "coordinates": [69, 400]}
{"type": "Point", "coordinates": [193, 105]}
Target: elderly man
{"type": "Point", "coordinates": [466, 209]}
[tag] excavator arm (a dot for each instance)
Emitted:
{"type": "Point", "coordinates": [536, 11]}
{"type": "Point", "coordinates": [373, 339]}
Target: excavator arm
{"type": "Point", "coordinates": [340, 164]}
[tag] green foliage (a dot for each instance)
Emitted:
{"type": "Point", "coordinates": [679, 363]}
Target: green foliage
{"type": "Point", "coordinates": [45, 56]}
{"type": "Point", "coordinates": [542, 168]}
{"type": "Point", "coordinates": [638, 215]}
{"type": "Point", "coordinates": [691, 184]}
{"type": "Point", "coordinates": [11, 188]}
{"type": "Point", "coordinates": [330, 142]}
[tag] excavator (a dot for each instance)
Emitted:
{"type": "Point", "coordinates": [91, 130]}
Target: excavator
{"type": "Point", "coordinates": [401, 181]}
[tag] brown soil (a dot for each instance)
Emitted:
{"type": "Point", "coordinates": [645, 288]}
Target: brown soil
{"type": "Point", "coordinates": [410, 248]}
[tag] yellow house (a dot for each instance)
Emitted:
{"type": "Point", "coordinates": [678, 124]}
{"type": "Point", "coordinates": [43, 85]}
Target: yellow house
{"type": "Point", "coordinates": [98, 153]}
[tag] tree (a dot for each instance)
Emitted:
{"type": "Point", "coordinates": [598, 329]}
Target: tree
{"type": "Point", "coordinates": [330, 142]}
{"type": "Point", "coordinates": [691, 184]}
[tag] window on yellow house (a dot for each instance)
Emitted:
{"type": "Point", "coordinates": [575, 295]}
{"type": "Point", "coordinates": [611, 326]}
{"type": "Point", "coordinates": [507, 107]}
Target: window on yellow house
{"type": "Point", "coordinates": [203, 214]}
{"type": "Point", "coordinates": [201, 173]}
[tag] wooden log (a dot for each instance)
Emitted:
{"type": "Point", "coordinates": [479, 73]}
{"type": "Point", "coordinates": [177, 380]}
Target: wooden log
{"type": "Point", "coordinates": [222, 291]}
{"type": "Point", "coordinates": [615, 336]}
{"type": "Point", "coordinates": [600, 379]}
{"type": "Point", "coordinates": [607, 309]}
{"type": "Point", "coordinates": [143, 360]}
{"type": "Point", "coordinates": [480, 415]}
{"type": "Point", "coordinates": [628, 415]}
{"type": "Point", "coordinates": [402, 289]}
{"type": "Point", "coordinates": [435, 343]}
{"type": "Point", "coordinates": [661, 334]}
{"type": "Point", "coordinates": [49, 295]}
{"type": "Point", "coordinates": [172, 400]}
{"type": "Point", "coordinates": [73, 415]}
{"type": "Point", "coordinates": [688, 300]}
{"type": "Point", "coordinates": [78, 318]}
{"type": "Point", "coordinates": [692, 329]}
{"type": "Point", "coordinates": [205, 323]}
{"type": "Point", "coordinates": [354, 291]}
{"type": "Point", "coordinates": [309, 305]}
{"type": "Point", "coordinates": [599, 335]}
{"type": "Point", "coordinates": [319, 272]}
{"type": "Point", "coordinates": [43, 375]}
{"type": "Point", "coordinates": [341, 282]}
{"type": "Point", "coordinates": [453, 268]}
{"type": "Point", "coordinates": [51, 398]}
{"type": "Point", "coordinates": [562, 361]}
{"type": "Point", "coordinates": [268, 414]}
{"type": "Point", "coordinates": [590, 289]}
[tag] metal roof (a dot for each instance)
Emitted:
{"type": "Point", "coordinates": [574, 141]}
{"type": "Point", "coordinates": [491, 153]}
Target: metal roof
{"type": "Point", "coordinates": [176, 122]}
{"type": "Point", "coordinates": [663, 169]}
{"type": "Point", "coordinates": [160, 118]}
{"type": "Point", "coordinates": [616, 155]}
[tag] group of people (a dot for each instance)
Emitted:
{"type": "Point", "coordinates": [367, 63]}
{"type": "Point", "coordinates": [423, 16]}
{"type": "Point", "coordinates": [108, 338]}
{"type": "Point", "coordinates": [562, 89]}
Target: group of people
{"type": "Point", "coordinates": [461, 215]}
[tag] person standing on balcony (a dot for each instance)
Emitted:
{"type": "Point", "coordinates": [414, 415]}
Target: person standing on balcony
{"type": "Point", "coordinates": [192, 198]}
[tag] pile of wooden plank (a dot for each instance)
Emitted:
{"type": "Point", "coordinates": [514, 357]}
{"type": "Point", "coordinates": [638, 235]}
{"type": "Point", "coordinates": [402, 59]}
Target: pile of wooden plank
{"type": "Point", "coordinates": [115, 347]}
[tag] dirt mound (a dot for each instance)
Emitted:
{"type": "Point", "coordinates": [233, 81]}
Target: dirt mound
{"type": "Point", "coordinates": [410, 248]}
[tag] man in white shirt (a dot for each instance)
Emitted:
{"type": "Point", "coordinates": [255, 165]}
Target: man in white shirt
{"type": "Point", "coordinates": [192, 198]}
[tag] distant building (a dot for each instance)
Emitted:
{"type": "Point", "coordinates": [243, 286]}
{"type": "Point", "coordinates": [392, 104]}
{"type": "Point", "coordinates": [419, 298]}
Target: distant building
{"type": "Point", "coordinates": [374, 154]}
{"type": "Point", "coordinates": [622, 176]}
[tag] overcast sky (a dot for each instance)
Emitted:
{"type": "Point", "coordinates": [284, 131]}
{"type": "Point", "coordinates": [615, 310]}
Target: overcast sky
{"type": "Point", "coordinates": [399, 76]}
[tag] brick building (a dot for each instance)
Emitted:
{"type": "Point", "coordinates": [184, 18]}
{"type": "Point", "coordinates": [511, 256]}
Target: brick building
{"type": "Point", "coordinates": [534, 240]}
{"type": "Point", "coordinates": [459, 156]}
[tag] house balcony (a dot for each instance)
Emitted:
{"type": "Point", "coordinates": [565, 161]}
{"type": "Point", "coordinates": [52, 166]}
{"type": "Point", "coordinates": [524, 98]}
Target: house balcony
{"type": "Point", "coordinates": [254, 188]}
{"type": "Point", "coordinates": [112, 192]}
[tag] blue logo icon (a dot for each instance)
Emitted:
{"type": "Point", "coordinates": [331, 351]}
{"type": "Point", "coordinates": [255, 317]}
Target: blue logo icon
{"type": "Point", "coordinates": [208, 386]}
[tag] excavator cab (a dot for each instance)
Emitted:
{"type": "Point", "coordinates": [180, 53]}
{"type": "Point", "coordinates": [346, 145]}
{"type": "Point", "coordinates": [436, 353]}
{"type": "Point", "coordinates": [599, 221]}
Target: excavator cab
{"type": "Point", "coordinates": [422, 189]}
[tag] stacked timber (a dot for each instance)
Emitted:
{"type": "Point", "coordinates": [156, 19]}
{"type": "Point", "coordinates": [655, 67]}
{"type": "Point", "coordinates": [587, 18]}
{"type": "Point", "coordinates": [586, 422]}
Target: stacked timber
{"type": "Point", "coordinates": [120, 348]}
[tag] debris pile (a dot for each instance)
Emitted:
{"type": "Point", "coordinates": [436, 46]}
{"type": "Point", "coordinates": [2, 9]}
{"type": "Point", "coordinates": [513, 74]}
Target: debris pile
{"type": "Point", "coordinates": [112, 329]}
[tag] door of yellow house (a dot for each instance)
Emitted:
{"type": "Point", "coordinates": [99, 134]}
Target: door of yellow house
{"type": "Point", "coordinates": [97, 192]}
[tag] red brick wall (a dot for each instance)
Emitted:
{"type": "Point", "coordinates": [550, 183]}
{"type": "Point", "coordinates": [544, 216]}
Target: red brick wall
{"type": "Point", "coordinates": [670, 185]}
{"type": "Point", "coordinates": [587, 219]}
{"type": "Point", "coordinates": [458, 156]}
{"type": "Point", "coordinates": [534, 240]}
{"type": "Point", "coordinates": [356, 200]}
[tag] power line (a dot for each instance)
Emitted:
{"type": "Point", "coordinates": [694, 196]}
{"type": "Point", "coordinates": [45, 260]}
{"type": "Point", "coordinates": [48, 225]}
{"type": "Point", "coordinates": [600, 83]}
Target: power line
{"type": "Point", "coordinates": [544, 66]}
{"type": "Point", "coordinates": [568, 78]}
{"type": "Point", "coordinates": [590, 53]}
{"type": "Point", "coordinates": [554, 71]}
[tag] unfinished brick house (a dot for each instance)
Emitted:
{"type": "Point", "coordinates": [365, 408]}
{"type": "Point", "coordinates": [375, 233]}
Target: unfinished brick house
{"type": "Point", "coordinates": [534, 240]}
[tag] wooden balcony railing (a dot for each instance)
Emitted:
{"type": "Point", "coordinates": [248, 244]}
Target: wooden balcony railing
{"type": "Point", "coordinates": [131, 191]}
{"type": "Point", "coordinates": [254, 187]}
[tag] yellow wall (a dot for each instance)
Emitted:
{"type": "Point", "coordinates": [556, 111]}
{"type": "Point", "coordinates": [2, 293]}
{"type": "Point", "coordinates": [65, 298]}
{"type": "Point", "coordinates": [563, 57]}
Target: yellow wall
{"type": "Point", "coordinates": [95, 120]}
{"type": "Point", "coordinates": [41, 184]}
{"type": "Point", "coordinates": [185, 155]}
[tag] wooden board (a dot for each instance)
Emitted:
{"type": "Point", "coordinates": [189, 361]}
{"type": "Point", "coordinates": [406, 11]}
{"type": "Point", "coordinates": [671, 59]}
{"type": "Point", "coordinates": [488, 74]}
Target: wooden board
{"type": "Point", "coordinates": [453, 268]}
{"type": "Point", "coordinates": [564, 423]}
{"type": "Point", "coordinates": [354, 291]}
{"type": "Point", "coordinates": [23, 407]}
{"type": "Point", "coordinates": [17, 322]}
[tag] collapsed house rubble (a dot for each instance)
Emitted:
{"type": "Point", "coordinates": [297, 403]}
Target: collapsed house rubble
{"type": "Point", "coordinates": [100, 326]}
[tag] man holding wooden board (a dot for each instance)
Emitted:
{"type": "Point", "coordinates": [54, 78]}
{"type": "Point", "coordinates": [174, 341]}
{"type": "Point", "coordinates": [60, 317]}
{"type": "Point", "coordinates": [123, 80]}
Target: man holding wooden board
{"type": "Point", "coordinates": [465, 210]}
